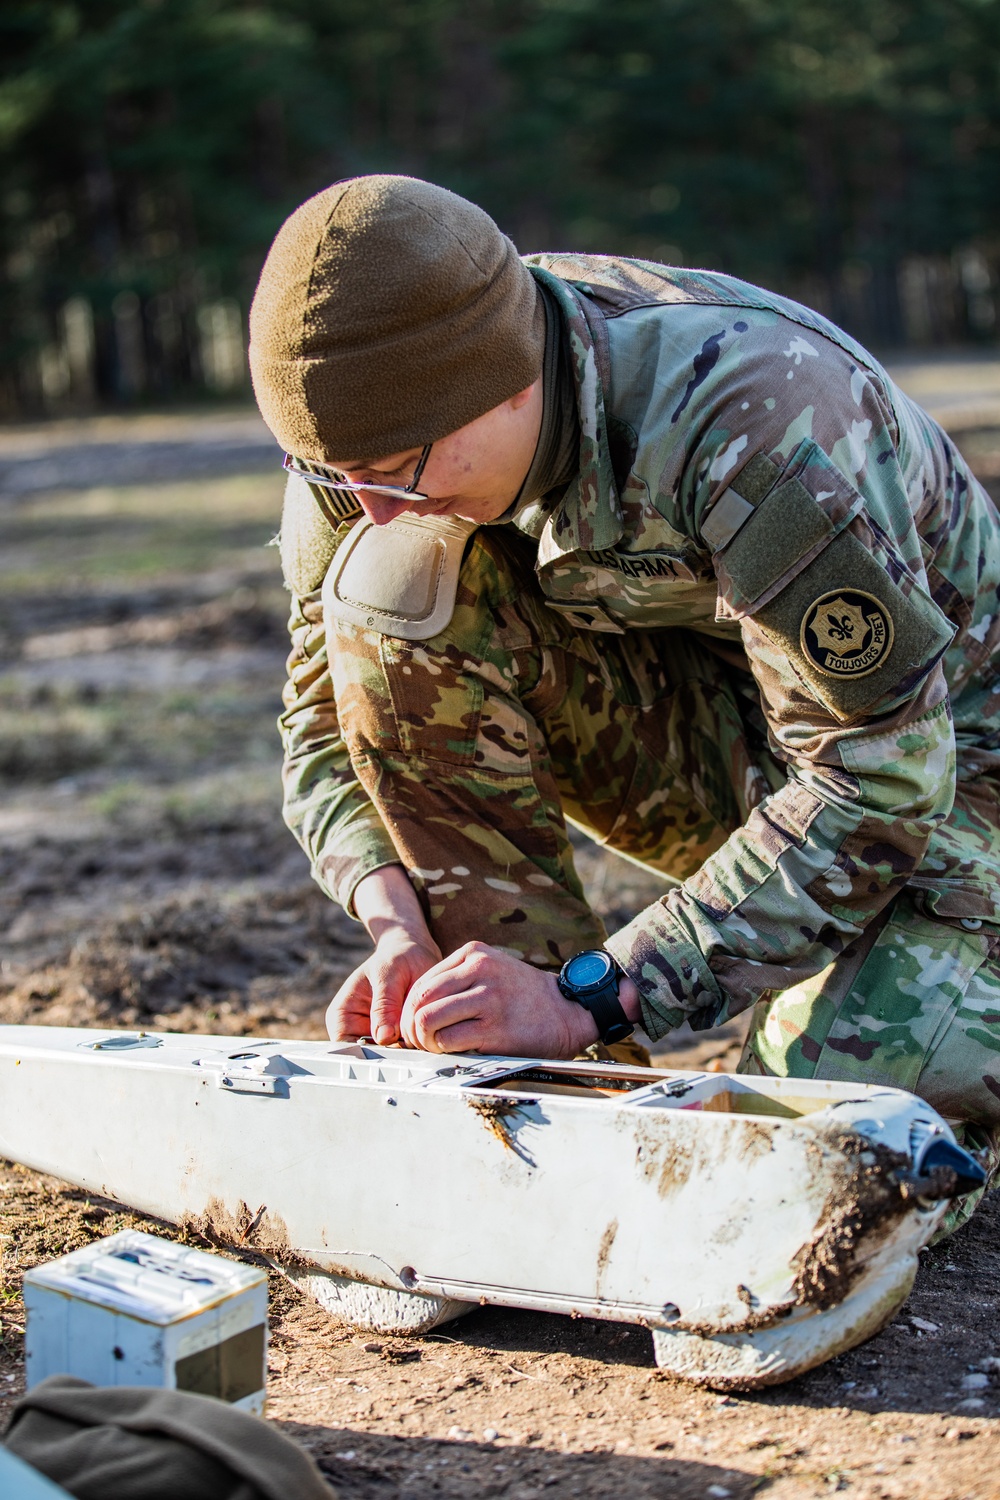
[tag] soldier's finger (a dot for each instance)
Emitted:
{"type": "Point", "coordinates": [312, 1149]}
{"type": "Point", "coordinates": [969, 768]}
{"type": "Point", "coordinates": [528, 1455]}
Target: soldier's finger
{"type": "Point", "coordinates": [356, 989]}
{"type": "Point", "coordinates": [345, 1023]}
{"type": "Point", "coordinates": [458, 972]}
{"type": "Point", "coordinates": [347, 1015]}
{"type": "Point", "coordinates": [466, 962]}
{"type": "Point", "coordinates": [385, 1022]}
{"type": "Point", "coordinates": [423, 1021]}
{"type": "Point", "coordinates": [389, 986]}
{"type": "Point", "coordinates": [464, 1036]}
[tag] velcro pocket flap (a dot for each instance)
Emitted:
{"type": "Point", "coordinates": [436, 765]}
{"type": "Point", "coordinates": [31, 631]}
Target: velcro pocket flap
{"type": "Point", "coordinates": [781, 528]}
{"type": "Point", "coordinates": [400, 579]}
{"type": "Point", "coordinates": [956, 901]}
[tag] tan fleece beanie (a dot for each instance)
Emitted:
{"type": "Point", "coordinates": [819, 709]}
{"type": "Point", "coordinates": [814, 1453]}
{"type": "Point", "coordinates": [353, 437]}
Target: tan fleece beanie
{"type": "Point", "coordinates": [389, 313]}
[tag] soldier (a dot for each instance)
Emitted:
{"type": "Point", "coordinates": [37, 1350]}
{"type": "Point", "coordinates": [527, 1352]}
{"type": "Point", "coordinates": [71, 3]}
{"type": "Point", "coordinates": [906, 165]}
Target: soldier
{"type": "Point", "coordinates": [667, 555]}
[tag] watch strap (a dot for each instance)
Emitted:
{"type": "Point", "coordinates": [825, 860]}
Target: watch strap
{"type": "Point", "coordinates": [613, 1025]}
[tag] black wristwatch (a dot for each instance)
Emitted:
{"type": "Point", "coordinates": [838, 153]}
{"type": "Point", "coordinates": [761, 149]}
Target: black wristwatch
{"type": "Point", "coordinates": [591, 979]}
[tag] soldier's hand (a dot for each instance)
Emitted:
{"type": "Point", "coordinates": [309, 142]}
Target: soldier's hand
{"type": "Point", "coordinates": [480, 999]}
{"type": "Point", "coordinates": [370, 1001]}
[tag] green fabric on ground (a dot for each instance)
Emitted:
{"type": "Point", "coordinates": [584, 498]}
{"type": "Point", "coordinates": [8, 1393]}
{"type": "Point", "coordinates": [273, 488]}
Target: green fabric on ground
{"type": "Point", "coordinates": [140, 1443]}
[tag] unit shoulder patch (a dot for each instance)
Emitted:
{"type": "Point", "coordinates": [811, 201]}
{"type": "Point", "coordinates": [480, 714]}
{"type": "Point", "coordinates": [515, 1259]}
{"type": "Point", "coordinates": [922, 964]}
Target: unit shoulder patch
{"type": "Point", "coordinates": [846, 633]}
{"type": "Point", "coordinates": [857, 639]}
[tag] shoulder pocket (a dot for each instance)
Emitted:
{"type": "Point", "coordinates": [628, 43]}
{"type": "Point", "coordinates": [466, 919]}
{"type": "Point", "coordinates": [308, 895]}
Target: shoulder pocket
{"type": "Point", "coordinates": [969, 903]}
{"type": "Point", "coordinates": [771, 521]}
{"type": "Point", "coordinates": [858, 639]}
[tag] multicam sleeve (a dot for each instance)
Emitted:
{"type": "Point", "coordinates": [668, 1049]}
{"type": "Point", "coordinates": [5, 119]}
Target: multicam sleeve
{"type": "Point", "coordinates": [324, 805]}
{"type": "Point", "coordinates": [818, 560]}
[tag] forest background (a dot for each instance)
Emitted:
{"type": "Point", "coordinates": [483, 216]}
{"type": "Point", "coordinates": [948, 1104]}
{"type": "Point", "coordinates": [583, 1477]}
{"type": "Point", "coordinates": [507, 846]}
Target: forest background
{"type": "Point", "coordinates": [843, 151]}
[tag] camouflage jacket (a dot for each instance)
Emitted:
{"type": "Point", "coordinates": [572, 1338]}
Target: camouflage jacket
{"type": "Point", "coordinates": [749, 472]}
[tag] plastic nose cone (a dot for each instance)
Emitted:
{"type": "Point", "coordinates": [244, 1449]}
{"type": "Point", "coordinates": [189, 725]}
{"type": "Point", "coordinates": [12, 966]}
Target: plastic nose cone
{"type": "Point", "coordinates": [969, 1175]}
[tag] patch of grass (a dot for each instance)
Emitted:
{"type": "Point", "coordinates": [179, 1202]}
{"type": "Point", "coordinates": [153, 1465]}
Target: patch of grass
{"type": "Point", "coordinates": [47, 743]}
{"type": "Point", "coordinates": [123, 801]}
{"type": "Point", "coordinates": [194, 803]}
{"type": "Point", "coordinates": [53, 734]}
{"type": "Point", "coordinates": [97, 537]}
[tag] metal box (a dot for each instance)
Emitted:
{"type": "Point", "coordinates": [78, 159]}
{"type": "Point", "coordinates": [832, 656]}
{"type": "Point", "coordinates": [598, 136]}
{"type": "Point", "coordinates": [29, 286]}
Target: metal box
{"type": "Point", "coordinates": [134, 1309]}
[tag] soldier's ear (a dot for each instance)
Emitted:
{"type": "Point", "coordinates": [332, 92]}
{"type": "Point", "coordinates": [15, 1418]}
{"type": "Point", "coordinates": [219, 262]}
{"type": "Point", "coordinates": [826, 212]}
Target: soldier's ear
{"type": "Point", "coordinates": [523, 397]}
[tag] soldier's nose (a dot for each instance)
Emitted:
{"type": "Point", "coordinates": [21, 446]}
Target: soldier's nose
{"type": "Point", "coordinates": [381, 509]}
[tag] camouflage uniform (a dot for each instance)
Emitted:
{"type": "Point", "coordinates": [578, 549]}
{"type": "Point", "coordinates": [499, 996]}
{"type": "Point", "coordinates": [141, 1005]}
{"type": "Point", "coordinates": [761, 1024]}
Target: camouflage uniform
{"type": "Point", "coordinates": [752, 644]}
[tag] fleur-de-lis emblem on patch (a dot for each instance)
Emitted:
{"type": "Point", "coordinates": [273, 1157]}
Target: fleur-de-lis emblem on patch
{"type": "Point", "coordinates": [846, 633]}
{"type": "Point", "coordinates": [840, 627]}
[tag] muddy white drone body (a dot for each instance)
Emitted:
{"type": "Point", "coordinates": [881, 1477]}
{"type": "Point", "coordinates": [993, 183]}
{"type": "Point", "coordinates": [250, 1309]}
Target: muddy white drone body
{"type": "Point", "coordinates": [756, 1226]}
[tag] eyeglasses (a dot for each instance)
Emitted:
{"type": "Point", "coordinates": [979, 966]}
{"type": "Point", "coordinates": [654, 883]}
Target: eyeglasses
{"type": "Point", "coordinates": [330, 479]}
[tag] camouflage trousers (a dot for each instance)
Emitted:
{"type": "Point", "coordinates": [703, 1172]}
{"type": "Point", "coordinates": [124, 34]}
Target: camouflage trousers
{"type": "Point", "coordinates": [914, 1003]}
{"type": "Point", "coordinates": [475, 747]}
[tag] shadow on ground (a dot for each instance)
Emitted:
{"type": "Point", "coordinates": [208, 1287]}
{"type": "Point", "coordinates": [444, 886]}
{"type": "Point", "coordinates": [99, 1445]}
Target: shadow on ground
{"type": "Point", "coordinates": [363, 1465]}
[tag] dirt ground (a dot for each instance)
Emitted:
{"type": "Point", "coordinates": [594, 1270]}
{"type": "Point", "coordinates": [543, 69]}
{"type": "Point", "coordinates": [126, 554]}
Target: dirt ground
{"type": "Point", "coordinates": [146, 879]}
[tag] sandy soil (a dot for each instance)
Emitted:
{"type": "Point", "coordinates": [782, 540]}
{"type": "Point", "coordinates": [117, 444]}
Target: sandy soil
{"type": "Point", "coordinates": [519, 1404]}
{"type": "Point", "coordinates": [146, 878]}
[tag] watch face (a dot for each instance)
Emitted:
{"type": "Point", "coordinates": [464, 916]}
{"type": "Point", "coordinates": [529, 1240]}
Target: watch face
{"type": "Point", "coordinates": [588, 969]}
